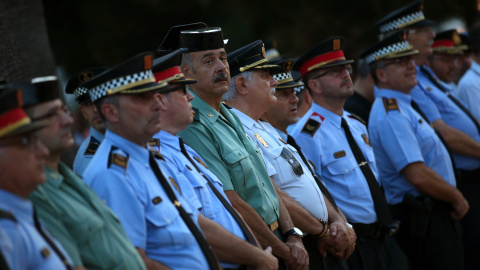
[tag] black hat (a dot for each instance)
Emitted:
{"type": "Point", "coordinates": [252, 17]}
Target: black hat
{"type": "Point", "coordinates": [130, 77]}
{"type": "Point", "coordinates": [251, 56]}
{"type": "Point", "coordinates": [81, 94]}
{"type": "Point", "coordinates": [410, 15]}
{"type": "Point", "coordinates": [328, 53]}
{"type": "Point", "coordinates": [13, 119]}
{"type": "Point", "coordinates": [447, 42]}
{"type": "Point", "coordinates": [210, 38]}
{"type": "Point", "coordinates": [271, 51]}
{"type": "Point", "coordinates": [165, 69]}
{"type": "Point", "coordinates": [297, 77]}
{"type": "Point", "coordinates": [171, 42]}
{"type": "Point", "coordinates": [465, 45]}
{"type": "Point", "coordinates": [394, 46]}
{"type": "Point", "coordinates": [283, 75]}
{"type": "Point", "coordinates": [40, 90]}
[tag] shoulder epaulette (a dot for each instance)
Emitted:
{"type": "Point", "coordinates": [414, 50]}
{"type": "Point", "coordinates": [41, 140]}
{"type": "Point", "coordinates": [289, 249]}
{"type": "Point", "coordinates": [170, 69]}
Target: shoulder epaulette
{"type": "Point", "coordinates": [92, 147]}
{"type": "Point", "coordinates": [196, 114]}
{"type": "Point", "coordinates": [390, 104]}
{"type": "Point", "coordinates": [356, 117]}
{"type": "Point", "coordinates": [311, 126]}
{"type": "Point", "coordinates": [154, 142]}
{"type": "Point", "coordinates": [118, 157]}
{"type": "Point", "coordinates": [7, 215]}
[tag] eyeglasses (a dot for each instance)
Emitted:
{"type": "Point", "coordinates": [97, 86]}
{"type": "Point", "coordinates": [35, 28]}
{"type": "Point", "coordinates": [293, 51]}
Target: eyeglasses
{"type": "Point", "coordinates": [402, 61]}
{"type": "Point", "coordinates": [63, 109]}
{"type": "Point", "coordinates": [30, 141]}
{"type": "Point", "coordinates": [296, 166]}
{"type": "Point", "coordinates": [336, 71]}
{"type": "Point", "coordinates": [181, 87]}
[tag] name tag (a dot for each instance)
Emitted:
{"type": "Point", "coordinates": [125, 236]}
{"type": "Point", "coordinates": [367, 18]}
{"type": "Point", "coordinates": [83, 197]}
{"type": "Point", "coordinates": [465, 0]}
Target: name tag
{"type": "Point", "coordinates": [339, 154]}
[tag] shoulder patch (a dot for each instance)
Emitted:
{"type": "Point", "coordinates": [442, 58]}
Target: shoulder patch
{"type": "Point", "coordinates": [356, 117]}
{"type": "Point", "coordinates": [154, 142]}
{"type": "Point", "coordinates": [118, 157]}
{"type": "Point", "coordinates": [390, 104]}
{"type": "Point", "coordinates": [311, 126]}
{"type": "Point", "coordinates": [91, 147]}
{"type": "Point", "coordinates": [196, 114]}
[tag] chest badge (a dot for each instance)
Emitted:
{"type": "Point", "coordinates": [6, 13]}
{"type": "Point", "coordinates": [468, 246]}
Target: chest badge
{"type": "Point", "coordinates": [210, 115]}
{"type": "Point", "coordinates": [261, 140]}
{"type": "Point", "coordinates": [365, 139]}
{"type": "Point", "coordinates": [174, 183]}
{"type": "Point", "coordinates": [200, 161]}
{"type": "Point", "coordinates": [282, 140]}
{"type": "Point", "coordinates": [339, 154]}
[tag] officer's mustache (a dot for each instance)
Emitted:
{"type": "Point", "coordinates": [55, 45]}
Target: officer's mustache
{"type": "Point", "coordinates": [220, 77]}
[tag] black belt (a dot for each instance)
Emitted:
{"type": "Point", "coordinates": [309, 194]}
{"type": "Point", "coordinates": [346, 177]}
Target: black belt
{"type": "Point", "coordinates": [469, 175]}
{"type": "Point", "coordinates": [242, 267]}
{"type": "Point", "coordinates": [373, 230]}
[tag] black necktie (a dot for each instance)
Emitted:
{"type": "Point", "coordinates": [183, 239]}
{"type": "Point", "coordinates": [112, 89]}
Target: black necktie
{"type": "Point", "coordinates": [419, 111]}
{"type": "Point", "coordinates": [379, 201]}
{"type": "Point", "coordinates": [246, 231]}
{"type": "Point", "coordinates": [325, 192]}
{"type": "Point", "coordinates": [452, 98]}
{"type": "Point", "coordinates": [211, 259]}
{"type": "Point", "coordinates": [50, 242]}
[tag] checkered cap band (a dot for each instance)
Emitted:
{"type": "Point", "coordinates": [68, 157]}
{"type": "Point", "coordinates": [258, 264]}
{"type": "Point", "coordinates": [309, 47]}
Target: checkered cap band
{"type": "Point", "coordinates": [392, 48]}
{"type": "Point", "coordinates": [101, 90]}
{"type": "Point", "coordinates": [299, 89]}
{"type": "Point", "coordinates": [80, 91]}
{"type": "Point", "coordinates": [397, 23]}
{"type": "Point", "coordinates": [283, 77]}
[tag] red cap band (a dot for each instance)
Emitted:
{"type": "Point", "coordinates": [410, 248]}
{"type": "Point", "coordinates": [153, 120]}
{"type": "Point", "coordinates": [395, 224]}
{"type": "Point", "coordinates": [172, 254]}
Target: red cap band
{"type": "Point", "coordinates": [166, 74]}
{"type": "Point", "coordinates": [443, 43]}
{"type": "Point", "coordinates": [321, 60]}
{"type": "Point", "coordinates": [11, 118]}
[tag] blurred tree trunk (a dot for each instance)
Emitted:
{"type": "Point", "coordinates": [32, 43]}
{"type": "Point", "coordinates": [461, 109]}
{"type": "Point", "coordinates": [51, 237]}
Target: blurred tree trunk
{"type": "Point", "coordinates": [24, 46]}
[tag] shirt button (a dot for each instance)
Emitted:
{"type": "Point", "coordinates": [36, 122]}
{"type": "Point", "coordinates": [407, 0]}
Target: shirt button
{"type": "Point", "coordinates": [168, 220]}
{"type": "Point", "coordinates": [346, 170]}
{"type": "Point", "coordinates": [146, 165]}
{"type": "Point", "coordinates": [240, 154]}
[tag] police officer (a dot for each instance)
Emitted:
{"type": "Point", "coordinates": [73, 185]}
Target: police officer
{"type": "Point", "coordinates": [414, 165]}
{"type": "Point", "coordinates": [251, 94]}
{"type": "Point", "coordinates": [191, 171]}
{"type": "Point", "coordinates": [457, 126]}
{"type": "Point", "coordinates": [338, 145]}
{"type": "Point", "coordinates": [24, 242]}
{"type": "Point", "coordinates": [97, 129]}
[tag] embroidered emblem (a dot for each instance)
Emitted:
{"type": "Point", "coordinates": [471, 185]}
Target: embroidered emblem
{"type": "Point", "coordinates": [118, 157]}
{"type": "Point", "coordinates": [91, 149]}
{"type": "Point", "coordinates": [356, 117]}
{"type": "Point", "coordinates": [157, 154]}
{"type": "Point", "coordinates": [45, 252]}
{"type": "Point", "coordinates": [390, 104]}
{"type": "Point", "coordinates": [365, 139]}
{"type": "Point", "coordinates": [287, 66]}
{"type": "Point", "coordinates": [156, 200]}
{"type": "Point", "coordinates": [210, 115]}
{"type": "Point", "coordinates": [85, 76]}
{"type": "Point", "coordinates": [310, 127]}
{"type": "Point", "coordinates": [336, 44]}
{"type": "Point", "coordinates": [195, 114]}
{"type": "Point", "coordinates": [261, 140]}
{"type": "Point", "coordinates": [174, 184]}
{"type": "Point", "coordinates": [282, 140]}
{"type": "Point", "coordinates": [263, 51]}
{"type": "Point", "coordinates": [153, 142]}
{"type": "Point", "coordinates": [339, 154]}
{"type": "Point", "coordinates": [188, 167]}
{"type": "Point", "coordinates": [200, 161]}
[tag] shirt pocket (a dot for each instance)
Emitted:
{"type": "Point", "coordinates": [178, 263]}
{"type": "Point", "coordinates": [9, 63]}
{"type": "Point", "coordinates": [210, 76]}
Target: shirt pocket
{"type": "Point", "coordinates": [240, 167]}
{"type": "Point", "coordinates": [343, 170]}
{"type": "Point", "coordinates": [84, 232]}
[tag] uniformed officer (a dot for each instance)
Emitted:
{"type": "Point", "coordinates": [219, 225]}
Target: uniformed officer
{"type": "Point", "coordinates": [251, 93]}
{"type": "Point", "coordinates": [192, 172]}
{"type": "Point", "coordinates": [457, 126]}
{"type": "Point", "coordinates": [219, 138]}
{"type": "Point", "coordinates": [414, 166]}
{"type": "Point", "coordinates": [97, 129]}
{"type": "Point", "coordinates": [338, 145]}
{"type": "Point", "coordinates": [24, 242]}
{"type": "Point", "coordinates": [86, 227]}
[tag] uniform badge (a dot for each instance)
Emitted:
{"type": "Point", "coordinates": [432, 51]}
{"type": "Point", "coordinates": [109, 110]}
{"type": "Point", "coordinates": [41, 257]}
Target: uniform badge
{"type": "Point", "coordinates": [339, 154]}
{"type": "Point", "coordinates": [310, 127]}
{"type": "Point", "coordinates": [282, 140]}
{"type": "Point", "coordinates": [429, 88]}
{"type": "Point", "coordinates": [210, 115]}
{"type": "Point", "coordinates": [118, 157]}
{"type": "Point", "coordinates": [85, 76]}
{"type": "Point", "coordinates": [390, 104]}
{"type": "Point", "coordinates": [365, 139]}
{"type": "Point", "coordinates": [287, 66]}
{"type": "Point", "coordinates": [174, 184]}
{"type": "Point", "coordinates": [313, 164]}
{"type": "Point", "coordinates": [336, 44]}
{"type": "Point", "coordinates": [91, 149]}
{"type": "Point", "coordinates": [200, 161]}
{"type": "Point", "coordinates": [157, 154]}
{"type": "Point", "coordinates": [153, 142]}
{"type": "Point", "coordinates": [356, 117]}
{"type": "Point", "coordinates": [45, 252]}
{"type": "Point", "coordinates": [420, 121]}
{"type": "Point", "coordinates": [188, 167]}
{"type": "Point", "coordinates": [261, 140]}
{"type": "Point", "coordinates": [156, 200]}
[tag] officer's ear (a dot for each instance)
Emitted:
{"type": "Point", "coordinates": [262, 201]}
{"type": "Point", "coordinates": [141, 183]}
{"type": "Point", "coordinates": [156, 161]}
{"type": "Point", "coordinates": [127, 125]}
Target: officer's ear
{"type": "Point", "coordinates": [111, 112]}
{"type": "Point", "coordinates": [240, 84]}
{"type": "Point", "coordinates": [381, 75]}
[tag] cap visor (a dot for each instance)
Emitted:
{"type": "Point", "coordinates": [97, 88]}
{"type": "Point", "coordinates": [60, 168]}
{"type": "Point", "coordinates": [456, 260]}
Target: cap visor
{"type": "Point", "coordinates": [423, 23]}
{"type": "Point", "coordinates": [288, 85]}
{"type": "Point", "coordinates": [144, 88]}
{"type": "Point", "coordinates": [26, 129]}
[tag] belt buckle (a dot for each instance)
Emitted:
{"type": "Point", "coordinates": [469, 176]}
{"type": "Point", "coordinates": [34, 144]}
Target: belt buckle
{"type": "Point", "coordinates": [273, 226]}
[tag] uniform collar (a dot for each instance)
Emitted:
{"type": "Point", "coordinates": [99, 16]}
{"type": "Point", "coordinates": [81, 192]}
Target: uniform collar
{"type": "Point", "coordinates": [96, 134]}
{"type": "Point", "coordinates": [335, 119]}
{"type": "Point", "coordinates": [246, 120]}
{"type": "Point", "coordinates": [134, 150]}
{"type": "Point", "coordinates": [168, 139]}
{"type": "Point", "coordinates": [21, 208]}
{"type": "Point", "coordinates": [475, 67]}
{"type": "Point", "coordinates": [387, 93]}
{"type": "Point", "coordinates": [282, 134]}
{"type": "Point", "coordinates": [205, 109]}
{"type": "Point", "coordinates": [54, 177]}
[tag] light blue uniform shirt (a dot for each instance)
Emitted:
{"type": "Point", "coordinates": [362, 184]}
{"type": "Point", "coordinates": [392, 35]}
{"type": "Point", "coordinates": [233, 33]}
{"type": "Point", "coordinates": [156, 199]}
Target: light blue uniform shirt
{"type": "Point", "coordinates": [303, 189]}
{"type": "Point", "coordinates": [20, 243]}
{"type": "Point", "coordinates": [188, 177]}
{"type": "Point", "coordinates": [121, 175]}
{"type": "Point", "coordinates": [401, 137]}
{"type": "Point", "coordinates": [469, 89]}
{"type": "Point", "coordinates": [86, 151]}
{"type": "Point", "coordinates": [327, 147]}
{"type": "Point", "coordinates": [436, 104]}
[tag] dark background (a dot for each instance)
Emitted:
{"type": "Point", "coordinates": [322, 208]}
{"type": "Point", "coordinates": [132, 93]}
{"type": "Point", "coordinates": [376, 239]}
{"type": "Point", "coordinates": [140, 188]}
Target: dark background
{"type": "Point", "coordinates": [106, 32]}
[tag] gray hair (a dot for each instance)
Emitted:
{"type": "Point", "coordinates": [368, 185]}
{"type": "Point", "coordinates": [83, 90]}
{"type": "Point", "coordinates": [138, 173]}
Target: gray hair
{"type": "Point", "coordinates": [187, 60]}
{"type": "Point", "coordinates": [232, 89]}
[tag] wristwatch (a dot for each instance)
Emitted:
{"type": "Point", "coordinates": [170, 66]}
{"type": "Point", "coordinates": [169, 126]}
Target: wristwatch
{"type": "Point", "coordinates": [293, 231]}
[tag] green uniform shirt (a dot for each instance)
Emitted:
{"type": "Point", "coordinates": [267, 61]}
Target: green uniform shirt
{"type": "Point", "coordinates": [87, 229]}
{"type": "Point", "coordinates": [222, 142]}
